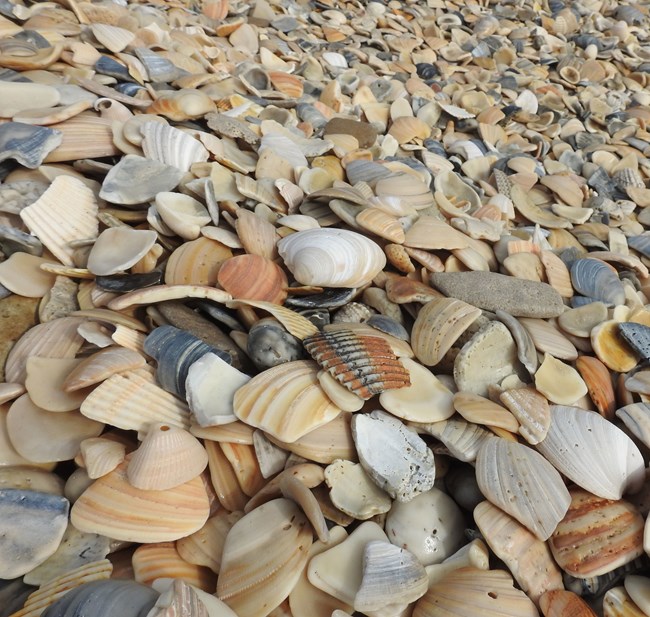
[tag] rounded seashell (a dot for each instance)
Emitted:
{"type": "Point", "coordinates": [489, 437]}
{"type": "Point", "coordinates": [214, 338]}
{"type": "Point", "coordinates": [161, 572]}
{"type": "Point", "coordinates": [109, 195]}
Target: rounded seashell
{"type": "Point", "coordinates": [596, 535]}
{"type": "Point", "coordinates": [532, 491]}
{"type": "Point", "coordinates": [594, 453]}
{"type": "Point", "coordinates": [118, 248]}
{"type": "Point", "coordinates": [185, 104]}
{"type": "Point", "coordinates": [183, 214]}
{"type": "Point", "coordinates": [618, 603]}
{"type": "Point", "coordinates": [101, 366]}
{"type": "Point", "coordinates": [196, 262]}
{"type": "Point", "coordinates": [167, 457]}
{"type": "Point", "coordinates": [599, 384]}
{"type": "Point", "coordinates": [439, 323]}
{"type": "Point", "coordinates": [253, 277]}
{"type": "Point", "coordinates": [638, 588]}
{"type": "Point", "coordinates": [331, 257]}
{"type": "Point", "coordinates": [101, 456]}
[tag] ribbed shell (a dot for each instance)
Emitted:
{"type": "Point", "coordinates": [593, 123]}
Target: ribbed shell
{"type": "Point", "coordinates": [364, 365]}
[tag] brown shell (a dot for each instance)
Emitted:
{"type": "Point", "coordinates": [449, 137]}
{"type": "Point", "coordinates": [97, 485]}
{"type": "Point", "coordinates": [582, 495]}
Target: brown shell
{"type": "Point", "coordinates": [364, 365]}
{"type": "Point", "coordinates": [252, 277]}
{"type": "Point", "coordinates": [599, 384]}
{"type": "Point", "coordinates": [196, 262]}
{"type": "Point", "coordinates": [561, 603]}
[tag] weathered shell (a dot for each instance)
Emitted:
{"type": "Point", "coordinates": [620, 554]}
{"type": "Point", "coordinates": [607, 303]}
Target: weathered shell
{"type": "Point", "coordinates": [561, 603]}
{"type": "Point", "coordinates": [252, 277]}
{"type": "Point", "coordinates": [285, 401]}
{"type": "Point", "coordinates": [161, 560]}
{"type": "Point", "coordinates": [182, 105]}
{"type": "Point", "coordinates": [119, 248]}
{"type": "Point", "coordinates": [331, 257]}
{"type": "Point", "coordinates": [365, 365]}
{"type": "Point", "coordinates": [532, 492]}
{"type": "Point", "coordinates": [618, 603]}
{"type": "Point", "coordinates": [559, 382]}
{"type": "Point", "coordinates": [27, 144]}
{"type": "Point", "coordinates": [184, 215]}
{"type": "Point", "coordinates": [196, 262]}
{"type": "Point", "coordinates": [462, 439]}
{"type": "Point", "coordinates": [531, 410]}
{"type": "Point", "coordinates": [595, 279]}
{"type": "Point", "coordinates": [440, 322]}
{"type": "Point", "coordinates": [101, 366]}
{"type": "Point", "coordinates": [637, 336]}
{"type": "Point", "coordinates": [596, 535]}
{"type": "Point", "coordinates": [611, 347]}
{"type": "Point", "coordinates": [171, 146]}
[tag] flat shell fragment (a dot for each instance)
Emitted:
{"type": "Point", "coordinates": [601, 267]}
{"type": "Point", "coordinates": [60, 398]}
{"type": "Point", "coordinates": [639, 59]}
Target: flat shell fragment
{"type": "Point", "coordinates": [522, 483]}
{"type": "Point", "coordinates": [118, 249]}
{"type": "Point", "coordinates": [594, 279]}
{"type": "Point", "coordinates": [101, 366]}
{"type": "Point", "coordinates": [531, 410]}
{"type": "Point", "coordinates": [397, 459]}
{"type": "Point", "coordinates": [27, 144]}
{"type": "Point", "coordinates": [559, 382]}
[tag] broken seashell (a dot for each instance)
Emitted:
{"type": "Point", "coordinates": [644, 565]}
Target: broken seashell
{"type": "Point", "coordinates": [118, 249]}
{"type": "Point", "coordinates": [29, 145]}
{"type": "Point", "coordinates": [185, 104]}
{"type": "Point", "coordinates": [44, 383]}
{"type": "Point", "coordinates": [558, 603]}
{"type": "Point", "coordinates": [101, 456]}
{"type": "Point", "coordinates": [559, 382]}
{"type": "Point", "coordinates": [462, 439]}
{"type": "Point", "coordinates": [480, 410]}
{"type": "Point", "coordinates": [531, 410]}
{"type": "Point", "coordinates": [101, 366]}
{"type": "Point", "coordinates": [171, 146]}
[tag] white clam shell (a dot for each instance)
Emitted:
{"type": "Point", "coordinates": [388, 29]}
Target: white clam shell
{"type": "Point", "coordinates": [593, 452]}
{"type": "Point", "coordinates": [331, 257]}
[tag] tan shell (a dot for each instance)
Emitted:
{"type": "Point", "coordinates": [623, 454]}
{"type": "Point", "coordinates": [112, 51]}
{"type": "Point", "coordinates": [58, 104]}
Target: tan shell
{"type": "Point", "coordinates": [599, 384]}
{"type": "Point", "coordinates": [481, 410]}
{"type": "Point", "coordinates": [285, 401]}
{"type": "Point", "coordinates": [611, 349]}
{"type": "Point", "coordinates": [167, 457]}
{"type": "Point", "coordinates": [21, 274]}
{"type": "Point", "coordinates": [101, 366]}
{"type": "Point", "coordinates": [44, 383]}
{"type": "Point", "coordinates": [439, 324]}
{"type": "Point", "coordinates": [531, 410]}
{"type": "Point", "coordinates": [618, 603]}
{"type": "Point", "coordinates": [111, 506]}
{"type": "Point", "coordinates": [559, 382]}
{"type": "Point", "coordinates": [100, 456]}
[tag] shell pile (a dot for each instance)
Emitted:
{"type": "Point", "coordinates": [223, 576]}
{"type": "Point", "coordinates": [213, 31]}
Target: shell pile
{"type": "Point", "coordinates": [313, 308]}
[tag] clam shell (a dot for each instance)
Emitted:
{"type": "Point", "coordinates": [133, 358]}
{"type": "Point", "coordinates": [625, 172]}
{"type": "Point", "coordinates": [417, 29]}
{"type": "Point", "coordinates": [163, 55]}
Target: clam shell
{"type": "Point", "coordinates": [119, 248]}
{"type": "Point", "coordinates": [638, 587]}
{"type": "Point", "coordinates": [285, 401]}
{"type": "Point", "coordinates": [186, 104]}
{"type": "Point", "coordinates": [365, 365]}
{"type": "Point", "coordinates": [196, 262]}
{"type": "Point", "coordinates": [557, 274]}
{"type": "Point", "coordinates": [101, 366]}
{"type": "Point", "coordinates": [44, 383]}
{"type": "Point", "coordinates": [592, 452]}
{"type": "Point", "coordinates": [132, 401]}
{"type": "Point", "coordinates": [433, 234]}
{"type": "Point", "coordinates": [599, 384]}
{"type": "Point", "coordinates": [528, 558]}
{"type": "Point", "coordinates": [20, 96]}
{"type": "Point", "coordinates": [331, 257]}
{"type": "Point", "coordinates": [548, 339]}
{"type": "Point", "coordinates": [596, 535]}
{"type": "Point", "coordinates": [559, 382]}
{"type": "Point", "coordinates": [167, 457]}
{"type": "Point", "coordinates": [595, 279]}
{"type": "Point", "coordinates": [636, 417]}
{"type": "Point", "coordinates": [532, 492]}
{"type": "Point", "coordinates": [171, 146]}
{"type": "Point", "coordinates": [115, 39]}
{"type": "Point", "coordinates": [85, 135]}
{"type": "Point", "coordinates": [27, 144]}
{"type": "Point", "coordinates": [531, 410]}
{"type": "Point", "coordinates": [111, 506]}
{"type": "Point", "coordinates": [244, 464]}
{"type": "Point", "coordinates": [480, 410]}
{"type": "Point", "coordinates": [223, 478]}
{"type": "Point", "coordinates": [463, 439]}
{"type": "Point", "coordinates": [163, 293]}
{"type": "Point", "coordinates": [439, 324]}
{"type": "Point", "coordinates": [263, 556]}
{"type": "Point", "coordinates": [252, 277]}
{"type": "Point", "coordinates": [183, 214]}
{"type": "Point", "coordinates": [66, 212]}
{"type": "Point", "coordinates": [466, 591]}
{"type": "Point", "coordinates": [561, 603]}
{"type": "Point", "coordinates": [397, 459]}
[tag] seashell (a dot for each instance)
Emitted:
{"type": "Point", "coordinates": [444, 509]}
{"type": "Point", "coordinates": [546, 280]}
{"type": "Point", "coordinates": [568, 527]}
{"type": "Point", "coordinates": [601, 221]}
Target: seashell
{"type": "Point", "coordinates": [196, 262]}
{"type": "Point", "coordinates": [21, 275]}
{"type": "Point", "coordinates": [101, 366]}
{"type": "Point", "coordinates": [256, 234]}
{"type": "Point", "coordinates": [440, 322]}
{"type": "Point", "coordinates": [528, 558]}
{"type": "Point", "coordinates": [54, 339]}
{"type": "Point", "coordinates": [411, 469]}
{"type": "Point", "coordinates": [331, 258]}
{"type": "Point", "coordinates": [10, 391]}
{"type": "Point", "coordinates": [581, 321]}
{"type": "Point", "coordinates": [388, 325]}
{"type": "Point", "coordinates": [111, 506]}
{"type": "Point", "coordinates": [596, 535]}
{"type": "Point", "coordinates": [101, 456]}
{"type": "Point", "coordinates": [104, 598]}
{"type": "Point", "coordinates": [171, 146]}
{"type": "Point", "coordinates": [254, 278]}
{"type": "Point", "coordinates": [84, 134]}
{"type": "Point", "coordinates": [32, 524]}
{"type": "Point", "coordinates": [488, 357]}
{"type": "Point", "coordinates": [28, 145]}
{"type": "Point", "coordinates": [618, 603]}
{"type": "Point", "coordinates": [406, 129]}
{"type": "Point", "coordinates": [559, 382]}
{"type": "Point", "coordinates": [557, 274]}
{"type": "Point", "coordinates": [113, 38]}
{"type": "Point", "coordinates": [118, 249]}
{"type": "Point", "coordinates": [44, 384]}
{"type": "Point", "coordinates": [526, 352]}
{"type": "Point", "coordinates": [269, 344]}
{"type": "Point", "coordinates": [592, 452]}
{"type": "Point", "coordinates": [599, 384]}
{"type": "Point", "coordinates": [223, 478]}
{"type": "Point", "coordinates": [183, 214]}
{"type": "Point", "coordinates": [268, 561]}
{"type": "Point", "coordinates": [430, 233]}
{"type": "Point", "coordinates": [391, 575]}
{"type": "Point", "coordinates": [594, 279]}
{"type": "Point", "coordinates": [637, 588]}
{"type": "Point", "coordinates": [480, 410]}
{"type": "Point", "coordinates": [365, 365]}
{"type": "Point", "coordinates": [381, 224]}
{"type": "Point", "coordinates": [271, 458]}
{"type": "Point", "coordinates": [490, 593]}
{"type": "Point", "coordinates": [44, 437]}
{"type": "Point", "coordinates": [131, 401]}
{"type": "Point", "coordinates": [164, 293]}
{"type": "Point", "coordinates": [20, 96]}
{"type": "Point", "coordinates": [533, 492]}
{"type": "Point", "coordinates": [353, 492]}
{"type": "Point", "coordinates": [338, 570]}
{"type": "Point", "coordinates": [181, 597]}
{"type": "Point", "coordinates": [245, 467]}
{"type": "Point", "coordinates": [534, 213]}
{"type": "Point", "coordinates": [167, 457]}
{"type": "Point", "coordinates": [295, 324]}
{"type": "Point", "coordinates": [548, 339]}
{"type": "Point", "coordinates": [558, 602]}
{"type": "Point", "coordinates": [637, 336]}
{"type": "Point", "coordinates": [531, 410]}
{"type": "Point", "coordinates": [611, 348]}
{"type": "Point", "coordinates": [425, 400]}
{"type": "Point", "coordinates": [277, 401]}
{"type": "Point", "coordinates": [636, 417]}
{"type": "Point", "coordinates": [463, 439]}
{"type": "Point", "coordinates": [159, 69]}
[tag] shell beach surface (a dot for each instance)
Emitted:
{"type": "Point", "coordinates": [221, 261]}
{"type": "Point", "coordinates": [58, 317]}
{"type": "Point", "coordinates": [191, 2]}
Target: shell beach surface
{"type": "Point", "coordinates": [317, 308]}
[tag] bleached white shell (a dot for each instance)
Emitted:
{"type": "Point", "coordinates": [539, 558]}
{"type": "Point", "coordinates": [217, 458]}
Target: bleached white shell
{"type": "Point", "coordinates": [171, 146]}
{"type": "Point", "coordinates": [522, 483]}
{"type": "Point", "coordinates": [331, 257]}
{"type": "Point", "coordinates": [593, 452]}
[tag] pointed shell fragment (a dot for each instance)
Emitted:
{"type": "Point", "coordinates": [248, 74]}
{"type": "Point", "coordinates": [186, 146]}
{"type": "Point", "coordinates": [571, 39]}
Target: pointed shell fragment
{"type": "Point", "coordinates": [530, 490]}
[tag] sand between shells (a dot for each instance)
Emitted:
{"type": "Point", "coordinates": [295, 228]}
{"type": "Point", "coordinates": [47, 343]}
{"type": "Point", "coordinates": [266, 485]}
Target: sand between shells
{"type": "Point", "coordinates": [318, 308]}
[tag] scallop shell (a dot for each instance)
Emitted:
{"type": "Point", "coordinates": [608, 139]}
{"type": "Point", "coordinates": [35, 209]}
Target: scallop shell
{"type": "Point", "coordinates": [66, 212]}
{"type": "Point", "coordinates": [595, 279]}
{"type": "Point", "coordinates": [263, 556]}
{"type": "Point", "coordinates": [252, 277]}
{"type": "Point", "coordinates": [365, 365]}
{"type": "Point", "coordinates": [531, 492]}
{"type": "Point", "coordinates": [101, 366]}
{"type": "Point", "coordinates": [167, 457]}
{"type": "Point", "coordinates": [111, 506]}
{"type": "Point", "coordinates": [85, 135]}
{"type": "Point", "coordinates": [468, 591]}
{"type": "Point", "coordinates": [597, 535]}
{"type": "Point", "coordinates": [531, 410]}
{"type": "Point", "coordinates": [440, 322]}
{"type": "Point", "coordinates": [285, 401]}
{"type": "Point", "coordinates": [171, 146]}
{"type": "Point", "coordinates": [118, 249]}
{"type": "Point", "coordinates": [101, 456]}
{"type": "Point", "coordinates": [592, 452]}
{"type": "Point", "coordinates": [528, 558]}
{"type": "Point", "coordinates": [113, 38]}
{"type": "Point", "coordinates": [331, 257]}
